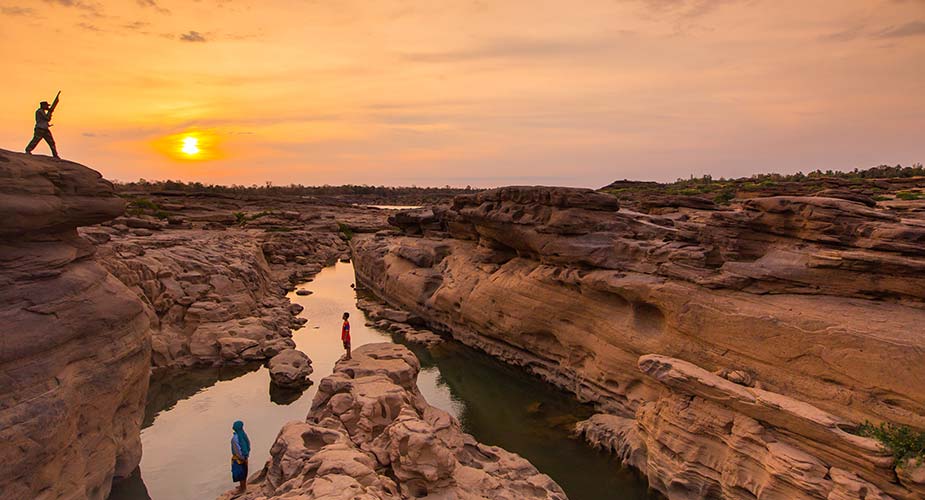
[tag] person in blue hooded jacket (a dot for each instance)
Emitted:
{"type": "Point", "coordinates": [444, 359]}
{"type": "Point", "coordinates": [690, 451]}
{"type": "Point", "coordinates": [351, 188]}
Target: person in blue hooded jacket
{"type": "Point", "coordinates": [240, 450]}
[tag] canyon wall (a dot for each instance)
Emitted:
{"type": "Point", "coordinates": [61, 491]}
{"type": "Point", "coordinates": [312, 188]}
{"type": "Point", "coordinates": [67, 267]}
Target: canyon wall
{"type": "Point", "coordinates": [74, 343]}
{"type": "Point", "coordinates": [370, 434]}
{"type": "Point", "coordinates": [732, 351]}
{"type": "Point", "coordinates": [217, 281]}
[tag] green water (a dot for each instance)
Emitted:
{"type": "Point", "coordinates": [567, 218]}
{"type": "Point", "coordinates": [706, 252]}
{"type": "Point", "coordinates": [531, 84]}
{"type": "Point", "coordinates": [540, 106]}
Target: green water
{"type": "Point", "coordinates": [189, 413]}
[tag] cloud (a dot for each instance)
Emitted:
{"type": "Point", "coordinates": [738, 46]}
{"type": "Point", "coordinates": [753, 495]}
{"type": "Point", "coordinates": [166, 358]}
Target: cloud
{"type": "Point", "coordinates": [192, 36]}
{"type": "Point", "coordinates": [94, 9]}
{"type": "Point", "coordinates": [89, 27]}
{"type": "Point", "coordinates": [17, 11]}
{"type": "Point", "coordinates": [505, 48]}
{"type": "Point", "coordinates": [154, 5]}
{"type": "Point", "coordinates": [137, 25]}
{"type": "Point", "coordinates": [913, 28]}
{"type": "Point", "coordinates": [686, 8]}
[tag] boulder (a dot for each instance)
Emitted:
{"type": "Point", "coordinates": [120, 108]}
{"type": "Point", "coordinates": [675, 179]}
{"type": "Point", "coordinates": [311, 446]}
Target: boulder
{"type": "Point", "coordinates": [290, 369]}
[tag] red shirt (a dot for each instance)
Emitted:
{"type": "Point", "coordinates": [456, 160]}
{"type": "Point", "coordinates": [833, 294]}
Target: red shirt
{"type": "Point", "coordinates": [345, 332]}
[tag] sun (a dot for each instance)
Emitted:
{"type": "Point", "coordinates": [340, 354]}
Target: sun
{"type": "Point", "coordinates": [190, 146]}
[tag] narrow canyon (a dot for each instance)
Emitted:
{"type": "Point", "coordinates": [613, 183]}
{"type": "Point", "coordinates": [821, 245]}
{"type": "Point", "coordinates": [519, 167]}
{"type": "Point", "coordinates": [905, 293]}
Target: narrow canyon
{"type": "Point", "coordinates": [728, 350]}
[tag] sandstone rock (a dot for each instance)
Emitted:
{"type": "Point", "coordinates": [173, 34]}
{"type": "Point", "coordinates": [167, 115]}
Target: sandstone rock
{"type": "Point", "coordinates": [290, 368]}
{"type": "Point", "coordinates": [139, 223]}
{"type": "Point", "coordinates": [371, 435]}
{"type": "Point", "coordinates": [75, 350]}
{"type": "Point", "coordinates": [303, 292]}
{"type": "Point", "coordinates": [204, 286]}
{"type": "Point", "coordinates": [791, 300]}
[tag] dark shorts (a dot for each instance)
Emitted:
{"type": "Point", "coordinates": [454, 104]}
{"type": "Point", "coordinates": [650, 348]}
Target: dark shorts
{"type": "Point", "coordinates": [238, 471]}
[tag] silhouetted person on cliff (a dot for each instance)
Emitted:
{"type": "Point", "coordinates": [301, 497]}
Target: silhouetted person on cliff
{"type": "Point", "coordinates": [43, 127]}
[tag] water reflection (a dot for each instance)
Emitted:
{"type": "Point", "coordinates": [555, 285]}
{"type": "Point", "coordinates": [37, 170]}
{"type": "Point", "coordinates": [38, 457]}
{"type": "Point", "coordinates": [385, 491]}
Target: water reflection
{"type": "Point", "coordinates": [189, 413]}
{"type": "Point", "coordinates": [284, 395]}
{"type": "Point", "coordinates": [169, 386]}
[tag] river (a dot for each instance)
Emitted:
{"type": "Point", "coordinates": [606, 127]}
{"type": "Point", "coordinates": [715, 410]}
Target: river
{"type": "Point", "coordinates": [189, 413]}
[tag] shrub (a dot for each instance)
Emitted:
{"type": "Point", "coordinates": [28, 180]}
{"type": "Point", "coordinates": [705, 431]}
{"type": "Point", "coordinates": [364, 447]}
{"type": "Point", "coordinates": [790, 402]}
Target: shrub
{"type": "Point", "coordinates": [143, 204]}
{"type": "Point", "coordinates": [909, 195]}
{"type": "Point", "coordinates": [724, 197]}
{"type": "Point", "coordinates": [240, 218]}
{"type": "Point", "coordinates": [345, 230]}
{"type": "Point", "coordinates": [903, 442]}
{"type": "Point", "coordinates": [880, 197]}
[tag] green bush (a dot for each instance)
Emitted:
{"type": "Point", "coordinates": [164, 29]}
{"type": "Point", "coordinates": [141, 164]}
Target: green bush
{"type": "Point", "coordinates": [880, 197]}
{"type": "Point", "coordinates": [909, 195]}
{"type": "Point", "coordinates": [240, 218]}
{"type": "Point", "coordinates": [345, 230]}
{"type": "Point", "coordinates": [143, 204]}
{"type": "Point", "coordinates": [724, 197]}
{"type": "Point", "coordinates": [903, 442]}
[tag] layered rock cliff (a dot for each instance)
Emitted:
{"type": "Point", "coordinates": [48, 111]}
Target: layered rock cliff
{"type": "Point", "coordinates": [75, 342]}
{"type": "Point", "coordinates": [732, 350]}
{"type": "Point", "coordinates": [217, 282]}
{"type": "Point", "coordinates": [370, 434]}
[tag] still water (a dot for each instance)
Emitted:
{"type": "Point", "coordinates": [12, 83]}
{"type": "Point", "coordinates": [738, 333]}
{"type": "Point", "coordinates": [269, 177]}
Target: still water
{"type": "Point", "coordinates": [188, 416]}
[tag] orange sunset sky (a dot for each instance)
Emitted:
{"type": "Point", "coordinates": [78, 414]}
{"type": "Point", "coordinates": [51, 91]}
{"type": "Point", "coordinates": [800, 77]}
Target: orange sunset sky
{"type": "Point", "coordinates": [400, 92]}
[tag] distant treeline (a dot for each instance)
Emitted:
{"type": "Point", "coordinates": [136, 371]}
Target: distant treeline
{"type": "Point", "coordinates": [880, 172]}
{"type": "Point", "coordinates": [268, 189]}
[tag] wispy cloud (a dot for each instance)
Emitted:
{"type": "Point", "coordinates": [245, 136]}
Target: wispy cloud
{"type": "Point", "coordinates": [17, 11]}
{"type": "Point", "coordinates": [913, 28]}
{"type": "Point", "coordinates": [521, 48]}
{"type": "Point", "coordinates": [686, 8]}
{"type": "Point", "coordinates": [89, 27]}
{"type": "Point", "coordinates": [94, 9]}
{"type": "Point", "coordinates": [192, 36]}
{"type": "Point", "coordinates": [154, 5]}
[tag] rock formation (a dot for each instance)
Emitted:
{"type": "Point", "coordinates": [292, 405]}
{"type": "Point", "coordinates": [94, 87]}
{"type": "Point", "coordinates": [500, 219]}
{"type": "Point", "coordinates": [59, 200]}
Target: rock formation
{"type": "Point", "coordinates": [290, 369]}
{"type": "Point", "coordinates": [772, 326]}
{"type": "Point", "coordinates": [371, 435]}
{"type": "Point", "coordinates": [216, 271]}
{"type": "Point", "coordinates": [410, 327]}
{"type": "Point", "coordinates": [75, 344]}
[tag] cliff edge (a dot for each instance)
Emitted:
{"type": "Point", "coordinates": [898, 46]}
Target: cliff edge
{"type": "Point", "coordinates": [732, 350]}
{"type": "Point", "coordinates": [75, 343]}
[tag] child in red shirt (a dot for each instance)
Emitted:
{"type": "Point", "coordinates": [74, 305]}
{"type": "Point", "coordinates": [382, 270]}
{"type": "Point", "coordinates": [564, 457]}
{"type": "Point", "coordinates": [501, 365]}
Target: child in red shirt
{"type": "Point", "coordinates": [345, 334]}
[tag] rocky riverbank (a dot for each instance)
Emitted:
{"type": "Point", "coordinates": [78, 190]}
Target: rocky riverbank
{"type": "Point", "coordinates": [75, 344]}
{"type": "Point", "coordinates": [371, 434]}
{"type": "Point", "coordinates": [216, 269]}
{"type": "Point", "coordinates": [779, 322]}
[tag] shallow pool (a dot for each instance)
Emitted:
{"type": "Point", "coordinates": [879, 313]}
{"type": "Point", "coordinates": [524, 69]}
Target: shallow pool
{"type": "Point", "coordinates": [189, 413]}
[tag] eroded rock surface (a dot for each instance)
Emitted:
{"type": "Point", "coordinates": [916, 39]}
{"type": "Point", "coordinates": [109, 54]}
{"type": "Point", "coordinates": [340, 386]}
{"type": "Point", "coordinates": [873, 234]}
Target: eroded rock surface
{"type": "Point", "coordinates": [371, 435]}
{"type": "Point", "coordinates": [216, 269]}
{"type": "Point", "coordinates": [290, 369]}
{"type": "Point", "coordinates": [75, 342]}
{"type": "Point", "coordinates": [815, 299]}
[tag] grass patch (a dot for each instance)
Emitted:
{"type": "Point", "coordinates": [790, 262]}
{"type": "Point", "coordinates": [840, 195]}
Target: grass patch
{"type": "Point", "coordinates": [910, 195]}
{"type": "Point", "coordinates": [724, 197]}
{"type": "Point", "coordinates": [903, 442]}
{"type": "Point", "coordinates": [143, 204]}
{"type": "Point", "coordinates": [880, 197]}
{"type": "Point", "coordinates": [345, 230]}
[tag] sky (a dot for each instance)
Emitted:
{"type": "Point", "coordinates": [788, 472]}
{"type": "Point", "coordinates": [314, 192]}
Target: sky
{"type": "Point", "coordinates": [466, 92]}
